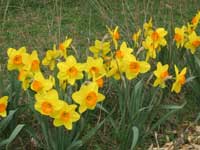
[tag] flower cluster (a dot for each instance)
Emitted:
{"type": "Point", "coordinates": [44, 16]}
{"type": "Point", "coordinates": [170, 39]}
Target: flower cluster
{"type": "Point", "coordinates": [110, 57]}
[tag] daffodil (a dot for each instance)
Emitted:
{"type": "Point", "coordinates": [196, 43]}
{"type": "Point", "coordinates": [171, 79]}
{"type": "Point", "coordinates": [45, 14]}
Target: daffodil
{"type": "Point", "coordinates": [94, 67]}
{"type": "Point", "coordinates": [64, 45]}
{"type": "Point", "coordinates": [115, 69]}
{"type": "Point", "coordinates": [32, 63]}
{"type": "Point", "coordinates": [193, 42]}
{"type": "Point", "coordinates": [180, 79]}
{"type": "Point", "coordinates": [100, 48]}
{"type": "Point", "coordinates": [87, 97]}
{"type": "Point", "coordinates": [195, 19]}
{"type": "Point", "coordinates": [134, 67]}
{"type": "Point", "coordinates": [3, 106]}
{"type": "Point", "coordinates": [40, 84]}
{"type": "Point", "coordinates": [115, 35]}
{"type": "Point", "coordinates": [151, 47]}
{"type": "Point", "coordinates": [25, 77]}
{"type": "Point", "coordinates": [136, 37]}
{"type": "Point", "coordinates": [16, 58]}
{"type": "Point", "coordinates": [148, 27]}
{"type": "Point", "coordinates": [50, 58]}
{"type": "Point", "coordinates": [179, 36]}
{"type": "Point", "coordinates": [66, 116]}
{"type": "Point", "coordinates": [48, 103]}
{"type": "Point", "coordinates": [123, 52]}
{"type": "Point", "coordinates": [70, 70]}
{"type": "Point", "coordinates": [161, 74]}
{"type": "Point", "coordinates": [158, 36]}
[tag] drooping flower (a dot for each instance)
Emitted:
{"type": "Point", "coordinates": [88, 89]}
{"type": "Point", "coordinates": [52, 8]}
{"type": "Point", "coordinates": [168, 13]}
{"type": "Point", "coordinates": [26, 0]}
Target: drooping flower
{"type": "Point", "coordinates": [136, 37]}
{"type": "Point", "coordinates": [134, 67]}
{"type": "Point", "coordinates": [94, 67]}
{"type": "Point", "coordinates": [50, 58]}
{"type": "Point", "coordinates": [161, 74]}
{"type": "Point", "coordinates": [115, 35]}
{"type": "Point", "coordinates": [48, 103]}
{"type": "Point", "coordinates": [148, 27]}
{"type": "Point", "coordinates": [16, 58]}
{"type": "Point", "coordinates": [123, 52]}
{"type": "Point", "coordinates": [87, 97]}
{"type": "Point", "coordinates": [180, 79]}
{"type": "Point", "coordinates": [196, 19]}
{"type": "Point", "coordinates": [179, 36]}
{"type": "Point", "coordinates": [40, 84]}
{"type": "Point", "coordinates": [70, 70]}
{"type": "Point", "coordinates": [3, 106]}
{"type": "Point", "coordinates": [193, 42]}
{"type": "Point", "coordinates": [66, 116]}
{"type": "Point", "coordinates": [150, 47]}
{"type": "Point", "coordinates": [100, 48]}
{"type": "Point", "coordinates": [25, 77]}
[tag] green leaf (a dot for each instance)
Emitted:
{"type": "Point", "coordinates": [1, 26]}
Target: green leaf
{"type": "Point", "coordinates": [92, 132]}
{"type": "Point", "coordinates": [4, 123]}
{"type": "Point", "coordinates": [135, 137]}
{"type": "Point", "coordinates": [13, 135]}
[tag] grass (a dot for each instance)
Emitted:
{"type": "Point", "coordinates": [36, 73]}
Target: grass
{"type": "Point", "coordinates": [39, 24]}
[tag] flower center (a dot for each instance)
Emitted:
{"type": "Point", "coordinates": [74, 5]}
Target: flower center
{"type": "Point", "coordinates": [37, 85]}
{"type": "Point", "coordinates": [35, 65]}
{"type": "Point", "coordinates": [194, 20]}
{"type": "Point", "coordinates": [2, 108]}
{"type": "Point", "coordinates": [182, 79]}
{"type": "Point", "coordinates": [155, 36]}
{"type": "Point", "coordinates": [177, 37]}
{"type": "Point", "coordinates": [100, 82]}
{"type": "Point", "coordinates": [17, 60]}
{"type": "Point", "coordinates": [134, 67]}
{"type": "Point", "coordinates": [119, 54]}
{"type": "Point", "coordinates": [65, 116]}
{"type": "Point", "coordinates": [164, 75]}
{"type": "Point", "coordinates": [72, 71]}
{"type": "Point", "coordinates": [91, 99]}
{"type": "Point", "coordinates": [47, 108]}
{"type": "Point", "coordinates": [116, 35]}
{"type": "Point", "coordinates": [94, 70]}
{"type": "Point", "coordinates": [196, 43]}
{"type": "Point", "coordinates": [61, 47]}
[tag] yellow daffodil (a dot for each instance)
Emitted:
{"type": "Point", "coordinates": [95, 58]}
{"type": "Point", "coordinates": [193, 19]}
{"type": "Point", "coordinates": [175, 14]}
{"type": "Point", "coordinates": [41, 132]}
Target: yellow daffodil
{"type": "Point", "coordinates": [100, 48]}
{"type": "Point", "coordinates": [16, 58]}
{"type": "Point", "coordinates": [123, 52]}
{"type": "Point", "coordinates": [179, 36]}
{"type": "Point", "coordinates": [48, 103]}
{"type": "Point", "coordinates": [193, 42]}
{"type": "Point", "coordinates": [180, 79]}
{"type": "Point", "coordinates": [134, 67]}
{"type": "Point", "coordinates": [115, 35]}
{"type": "Point", "coordinates": [40, 84]}
{"type": "Point", "coordinates": [161, 74]}
{"type": "Point", "coordinates": [33, 62]}
{"type": "Point", "coordinates": [50, 58]}
{"type": "Point", "coordinates": [195, 19]}
{"type": "Point", "coordinates": [64, 45]}
{"type": "Point", "coordinates": [115, 69]}
{"type": "Point", "coordinates": [87, 97]}
{"type": "Point", "coordinates": [136, 37]}
{"type": "Point", "coordinates": [158, 36]}
{"type": "Point", "coordinates": [25, 77]}
{"type": "Point", "coordinates": [148, 27]}
{"type": "Point", "coordinates": [66, 116]}
{"type": "Point", "coordinates": [3, 106]}
{"type": "Point", "coordinates": [70, 70]}
{"type": "Point", "coordinates": [94, 67]}
{"type": "Point", "coordinates": [151, 47]}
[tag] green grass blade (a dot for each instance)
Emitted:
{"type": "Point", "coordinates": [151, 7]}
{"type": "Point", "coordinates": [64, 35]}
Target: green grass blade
{"type": "Point", "coordinates": [135, 137]}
